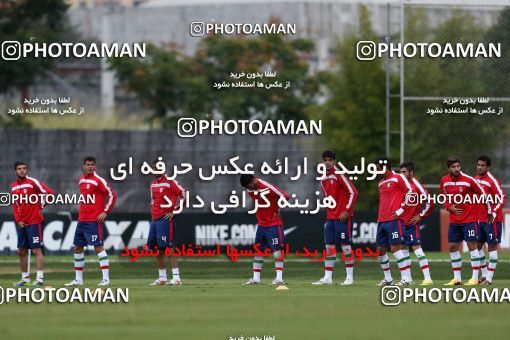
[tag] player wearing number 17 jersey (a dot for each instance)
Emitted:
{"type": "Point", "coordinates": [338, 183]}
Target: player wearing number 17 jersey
{"type": "Point", "coordinates": [89, 230]}
{"type": "Point", "coordinates": [269, 227]}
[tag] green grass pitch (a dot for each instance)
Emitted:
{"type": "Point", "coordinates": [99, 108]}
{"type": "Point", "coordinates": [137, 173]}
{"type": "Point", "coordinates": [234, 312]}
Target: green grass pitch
{"type": "Point", "coordinates": [212, 304]}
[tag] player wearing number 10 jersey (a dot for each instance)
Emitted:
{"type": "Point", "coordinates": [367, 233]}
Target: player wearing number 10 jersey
{"type": "Point", "coordinates": [463, 224]}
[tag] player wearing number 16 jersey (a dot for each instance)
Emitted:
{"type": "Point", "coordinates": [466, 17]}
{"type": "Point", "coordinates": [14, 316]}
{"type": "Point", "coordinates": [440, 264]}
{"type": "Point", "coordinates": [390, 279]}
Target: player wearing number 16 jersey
{"type": "Point", "coordinates": [393, 192]}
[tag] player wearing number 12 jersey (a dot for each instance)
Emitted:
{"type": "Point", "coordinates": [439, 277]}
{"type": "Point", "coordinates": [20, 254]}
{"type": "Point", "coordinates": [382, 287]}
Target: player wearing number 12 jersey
{"type": "Point", "coordinates": [29, 220]}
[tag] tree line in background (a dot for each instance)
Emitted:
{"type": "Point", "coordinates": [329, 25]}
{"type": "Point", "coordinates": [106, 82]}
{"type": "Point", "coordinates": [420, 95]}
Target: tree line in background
{"type": "Point", "coordinates": [350, 98]}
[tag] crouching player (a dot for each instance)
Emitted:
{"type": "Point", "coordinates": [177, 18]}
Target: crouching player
{"type": "Point", "coordinates": [270, 225]}
{"type": "Point", "coordinates": [338, 227]}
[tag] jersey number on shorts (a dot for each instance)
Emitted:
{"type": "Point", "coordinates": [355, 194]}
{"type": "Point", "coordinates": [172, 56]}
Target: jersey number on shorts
{"type": "Point", "coordinates": [94, 238]}
{"type": "Point", "coordinates": [394, 234]}
{"type": "Point", "coordinates": [471, 233]}
{"type": "Point", "coordinates": [275, 241]}
{"type": "Point", "coordinates": [35, 239]}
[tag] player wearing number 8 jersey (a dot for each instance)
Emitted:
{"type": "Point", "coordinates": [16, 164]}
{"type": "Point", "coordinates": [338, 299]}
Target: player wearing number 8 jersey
{"type": "Point", "coordinates": [89, 230]}
{"type": "Point", "coordinates": [338, 227]}
{"type": "Point", "coordinates": [270, 226]}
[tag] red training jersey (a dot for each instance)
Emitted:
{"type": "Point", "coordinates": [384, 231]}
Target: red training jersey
{"type": "Point", "coordinates": [463, 185]}
{"type": "Point", "coordinates": [269, 216]}
{"type": "Point", "coordinates": [342, 190]}
{"type": "Point", "coordinates": [420, 190]}
{"type": "Point", "coordinates": [161, 187]}
{"type": "Point", "coordinates": [104, 196]}
{"type": "Point", "coordinates": [493, 188]}
{"type": "Point", "coordinates": [28, 209]}
{"type": "Point", "coordinates": [393, 189]}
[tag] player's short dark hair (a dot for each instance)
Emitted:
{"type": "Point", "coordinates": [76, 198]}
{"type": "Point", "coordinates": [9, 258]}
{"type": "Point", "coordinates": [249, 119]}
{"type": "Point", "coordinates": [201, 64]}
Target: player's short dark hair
{"type": "Point", "coordinates": [382, 161]}
{"type": "Point", "coordinates": [452, 160]}
{"type": "Point", "coordinates": [408, 165]}
{"type": "Point", "coordinates": [89, 159]}
{"type": "Point", "coordinates": [328, 154]}
{"type": "Point", "coordinates": [18, 163]}
{"type": "Point", "coordinates": [485, 159]}
{"type": "Point", "coordinates": [246, 179]}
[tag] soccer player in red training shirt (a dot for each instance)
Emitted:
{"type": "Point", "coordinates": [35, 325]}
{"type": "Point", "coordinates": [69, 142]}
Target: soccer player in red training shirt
{"type": "Point", "coordinates": [412, 218]}
{"type": "Point", "coordinates": [393, 190]}
{"type": "Point", "coordinates": [463, 218]}
{"type": "Point", "coordinates": [162, 230]}
{"type": "Point", "coordinates": [490, 226]}
{"type": "Point", "coordinates": [27, 214]}
{"type": "Point", "coordinates": [338, 227]}
{"type": "Point", "coordinates": [89, 230]}
{"type": "Point", "coordinates": [270, 226]}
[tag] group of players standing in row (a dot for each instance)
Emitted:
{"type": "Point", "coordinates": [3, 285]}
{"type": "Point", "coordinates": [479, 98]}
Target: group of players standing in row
{"type": "Point", "coordinates": [398, 227]}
